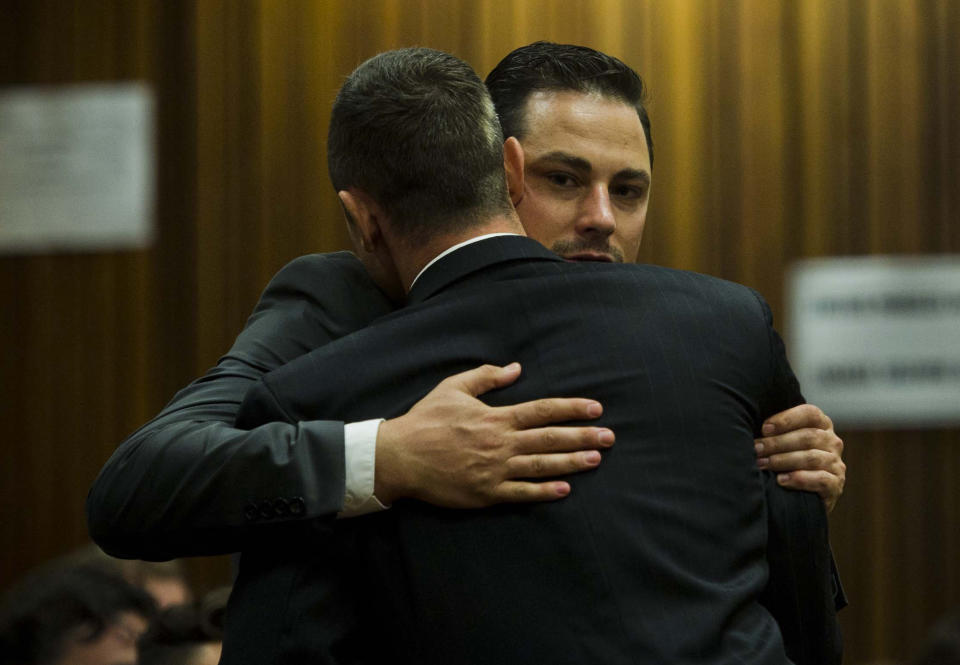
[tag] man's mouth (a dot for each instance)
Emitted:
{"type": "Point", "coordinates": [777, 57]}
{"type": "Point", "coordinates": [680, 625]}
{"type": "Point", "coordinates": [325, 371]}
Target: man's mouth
{"type": "Point", "coordinates": [580, 250]}
{"type": "Point", "coordinates": [589, 256]}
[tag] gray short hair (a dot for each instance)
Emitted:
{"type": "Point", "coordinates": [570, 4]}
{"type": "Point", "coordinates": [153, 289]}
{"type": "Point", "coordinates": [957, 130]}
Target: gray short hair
{"type": "Point", "coordinates": [416, 130]}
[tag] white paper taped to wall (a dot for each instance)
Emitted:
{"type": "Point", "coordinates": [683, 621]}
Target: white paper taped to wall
{"type": "Point", "coordinates": [77, 167]}
{"type": "Point", "coordinates": [875, 341]}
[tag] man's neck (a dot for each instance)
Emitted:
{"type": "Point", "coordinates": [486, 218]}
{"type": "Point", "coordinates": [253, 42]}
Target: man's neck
{"type": "Point", "coordinates": [412, 262]}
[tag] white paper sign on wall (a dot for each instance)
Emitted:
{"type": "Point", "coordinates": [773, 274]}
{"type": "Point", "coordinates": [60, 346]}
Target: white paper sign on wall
{"type": "Point", "coordinates": [875, 341]}
{"type": "Point", "coordinates": [76, 167]}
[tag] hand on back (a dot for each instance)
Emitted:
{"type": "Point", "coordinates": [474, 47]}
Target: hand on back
{"type": "Point", "coordinates": [453, 450]}
{"type": "Point", "coordinates": [800, 446]}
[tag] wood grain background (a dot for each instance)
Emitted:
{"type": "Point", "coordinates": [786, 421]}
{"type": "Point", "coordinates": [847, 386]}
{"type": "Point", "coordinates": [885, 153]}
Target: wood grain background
{"type": "Point", "coordinates": [784, 129]}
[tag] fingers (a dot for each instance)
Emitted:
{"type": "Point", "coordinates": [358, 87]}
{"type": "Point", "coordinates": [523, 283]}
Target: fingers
{"type": "Point", "coordinates": [804, 460]}
{"type": "Point", "coordinates": [512, 491]}
{"type": "Point", "coordinates": [556, 464]}
{"type": "Point", "coordinates": [542, 412]}
{"type": "Point", "coordinates": [825, 484]}
{"type": "Point", "coordinates": [799, 417]}
{"type": "Point", "coordinates": [483, 379]}
{"type": "Point", "coordinates": [803, 439]}
{"type": "Point", "coordinates": [811, 469]}
{"type": "Point", "coordinates": [561, 439]}
{"type": "Point", "coordinates": [525, 415]}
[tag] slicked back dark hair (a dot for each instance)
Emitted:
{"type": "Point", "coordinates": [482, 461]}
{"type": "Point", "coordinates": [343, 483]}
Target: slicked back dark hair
{"type": "Point", "coordinates": [415, 129]}
{"type": "Point", "coordinates": [560, 68]}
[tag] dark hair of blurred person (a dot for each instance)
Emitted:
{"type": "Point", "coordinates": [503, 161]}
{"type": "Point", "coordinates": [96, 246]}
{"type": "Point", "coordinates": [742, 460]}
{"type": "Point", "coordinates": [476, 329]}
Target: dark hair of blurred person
{"type": "Point", "coordinates": [80, 615]}
{"type": "Point", "coordinates": [164, 580]}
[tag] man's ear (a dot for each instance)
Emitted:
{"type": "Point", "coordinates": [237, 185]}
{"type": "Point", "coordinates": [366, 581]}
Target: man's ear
{"type": "Point", "coordinates": [364, 218]}
{"type": "Point", "coordinates": [513, 164]}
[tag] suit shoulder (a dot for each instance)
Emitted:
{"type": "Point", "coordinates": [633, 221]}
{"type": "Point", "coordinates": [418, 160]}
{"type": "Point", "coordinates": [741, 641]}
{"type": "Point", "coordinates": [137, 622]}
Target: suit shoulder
{"type": "Point", "coordinates": [333, 266]}
{"type": "Point", "coordinates": [323, 295]}
{"type": "Point", "coordinates": [317, 278]}
{"type": "Point", "coordinates": [691, 279]}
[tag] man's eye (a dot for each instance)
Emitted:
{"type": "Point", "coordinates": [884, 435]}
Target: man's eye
{"type": "Point", "coordinates": [629, 192]}
{"type": "Point", "coordinates": [561, 179]}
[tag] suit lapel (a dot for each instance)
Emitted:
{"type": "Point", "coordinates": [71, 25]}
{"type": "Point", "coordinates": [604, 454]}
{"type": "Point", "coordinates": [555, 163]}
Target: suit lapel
{"type": "Point", "coordinates": [473, 257]}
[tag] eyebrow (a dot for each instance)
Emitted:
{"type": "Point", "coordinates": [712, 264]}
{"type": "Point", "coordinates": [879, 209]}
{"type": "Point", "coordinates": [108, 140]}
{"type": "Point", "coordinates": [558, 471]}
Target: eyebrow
{"type": "Point", "coordinates": [572, 161]}
{"type": "Point", "coordinates": [581, 164]}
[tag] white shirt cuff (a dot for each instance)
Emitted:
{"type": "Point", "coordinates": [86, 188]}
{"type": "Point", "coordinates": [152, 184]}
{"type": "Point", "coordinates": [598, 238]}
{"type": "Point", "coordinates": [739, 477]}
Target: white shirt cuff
{"type": "Point", "coordinates": [360, 448]}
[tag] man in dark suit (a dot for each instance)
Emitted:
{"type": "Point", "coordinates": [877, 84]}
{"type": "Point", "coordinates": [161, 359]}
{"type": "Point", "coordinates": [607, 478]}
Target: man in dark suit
{"type": "Point", "coordinates": [190, 483]}
{"type": "Point", "coordinates": [660, 555]}
{"type": "Point", "coordinates": [243, 483]}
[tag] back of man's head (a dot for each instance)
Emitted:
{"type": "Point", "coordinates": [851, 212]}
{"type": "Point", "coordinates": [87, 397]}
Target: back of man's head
{"type": "Point", "coordinates": [545, 66]}
{"type": "Point", "coordinates": [53, 608]}
{"type": "Point", "coordinates": [415, 130]}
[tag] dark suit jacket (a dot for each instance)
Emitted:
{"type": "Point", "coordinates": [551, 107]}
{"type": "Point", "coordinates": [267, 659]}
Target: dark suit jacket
{"type": "Point", "coordinates": [189, 483]}
{"type": "Point", "coordinates": [658, 556]}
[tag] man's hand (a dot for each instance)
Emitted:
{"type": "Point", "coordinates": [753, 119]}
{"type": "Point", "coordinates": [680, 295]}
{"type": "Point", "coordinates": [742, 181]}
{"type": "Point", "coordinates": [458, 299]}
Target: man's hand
{"type": "Point", "coordinates": [453, 450]}
{"type": "Point", "coordinates": [799, 444]}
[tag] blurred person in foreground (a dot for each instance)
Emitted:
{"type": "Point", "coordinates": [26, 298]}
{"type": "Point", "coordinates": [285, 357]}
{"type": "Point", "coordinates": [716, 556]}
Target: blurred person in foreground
{"type": "Point", "coordinates": [650, 560]}
{"type": "Point", "coordinates": [81, 615]}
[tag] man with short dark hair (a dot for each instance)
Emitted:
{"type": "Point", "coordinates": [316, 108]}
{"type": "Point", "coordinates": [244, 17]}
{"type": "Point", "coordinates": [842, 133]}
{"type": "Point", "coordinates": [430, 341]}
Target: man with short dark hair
{"type": "Point", "coordinates": [649, 560]}
{"type": "Point", "coordinates": [587, 187]}
{"type": "Point", "coordinates": [586, 198]}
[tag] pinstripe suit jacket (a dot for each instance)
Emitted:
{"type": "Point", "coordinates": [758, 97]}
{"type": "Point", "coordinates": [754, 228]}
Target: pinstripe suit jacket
{"type": "Point", "coordinates": [661, 555]}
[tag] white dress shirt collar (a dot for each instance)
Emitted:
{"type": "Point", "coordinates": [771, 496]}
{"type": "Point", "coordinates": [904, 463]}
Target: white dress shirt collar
{"type": "Point", "coordinates": [454, 248]}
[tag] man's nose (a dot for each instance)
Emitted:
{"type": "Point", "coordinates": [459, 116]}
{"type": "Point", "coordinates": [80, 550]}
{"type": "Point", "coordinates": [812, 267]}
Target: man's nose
{"type": "Point", "coordinates": [596, 213]}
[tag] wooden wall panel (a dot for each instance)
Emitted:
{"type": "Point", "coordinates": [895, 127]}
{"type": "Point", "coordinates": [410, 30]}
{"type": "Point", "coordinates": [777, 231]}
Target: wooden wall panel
{"type": "Point", "coordinates": [95, 343]}
{"type": "Point", "coordinates": [783, 130]}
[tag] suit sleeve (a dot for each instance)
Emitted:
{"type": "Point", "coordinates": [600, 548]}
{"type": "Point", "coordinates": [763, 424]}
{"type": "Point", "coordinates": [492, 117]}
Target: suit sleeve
{"type": "Point", "coordinates": [802, 584]}
{"type": "Point", "coordinates": [190, 483]}
{"type": "Point", "coordinates": [784, 394]}
{"type": "Point", "coordinates": [800, 592]}
{"type": "Point", "coordinates": [784, 390]}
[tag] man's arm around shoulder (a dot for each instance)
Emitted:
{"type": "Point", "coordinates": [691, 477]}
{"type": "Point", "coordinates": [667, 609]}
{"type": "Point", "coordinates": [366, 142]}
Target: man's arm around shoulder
{"type": "Point", "coordinates": [190, 483]}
